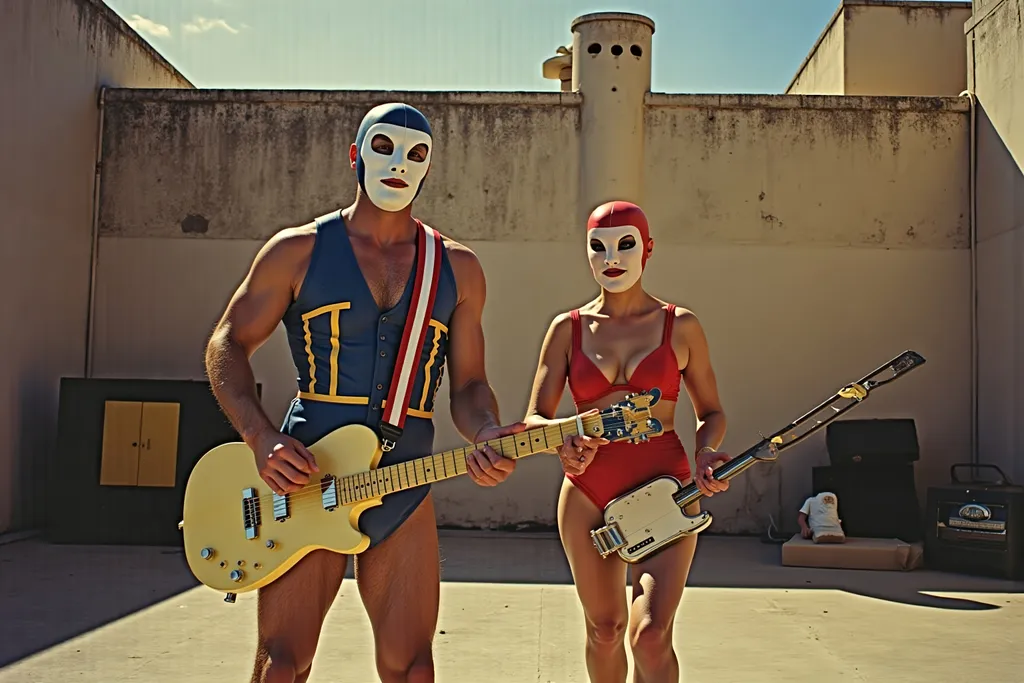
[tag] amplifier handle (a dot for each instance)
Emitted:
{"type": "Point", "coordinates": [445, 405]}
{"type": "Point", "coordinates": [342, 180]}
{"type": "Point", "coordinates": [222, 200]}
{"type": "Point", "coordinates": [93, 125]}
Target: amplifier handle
{"type": "Point", "coordinates": [953, 468]}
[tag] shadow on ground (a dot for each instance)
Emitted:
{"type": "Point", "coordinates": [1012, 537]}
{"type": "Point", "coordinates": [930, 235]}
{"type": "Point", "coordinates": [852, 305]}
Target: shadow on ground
{"type": "Point", "coordinates": [721, 562]}
{"type": "Point", "coordinates": [52, 593]}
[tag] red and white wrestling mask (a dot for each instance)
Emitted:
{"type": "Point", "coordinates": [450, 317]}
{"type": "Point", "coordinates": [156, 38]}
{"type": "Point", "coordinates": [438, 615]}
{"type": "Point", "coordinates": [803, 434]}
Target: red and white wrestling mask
{"type": "Point", "coordinates": [618, 242]}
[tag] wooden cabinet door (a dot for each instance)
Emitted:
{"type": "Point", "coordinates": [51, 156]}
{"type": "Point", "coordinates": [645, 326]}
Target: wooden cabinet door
{"type": "Point", "coordinates": [158, 444]}
{"type": "Point", "coordinates": [122, 428]}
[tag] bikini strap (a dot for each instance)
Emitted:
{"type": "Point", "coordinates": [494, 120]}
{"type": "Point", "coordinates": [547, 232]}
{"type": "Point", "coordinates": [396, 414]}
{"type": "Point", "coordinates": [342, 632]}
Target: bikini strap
{"type": "Point", "coordinates": [577, 332]}
{"type": "Point", "coordinates": [670, 317]}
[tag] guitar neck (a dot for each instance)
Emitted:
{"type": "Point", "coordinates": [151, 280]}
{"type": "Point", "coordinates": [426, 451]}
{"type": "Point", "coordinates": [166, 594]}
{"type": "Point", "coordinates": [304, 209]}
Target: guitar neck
{"type": "Point", "coordinates": [448, 464]}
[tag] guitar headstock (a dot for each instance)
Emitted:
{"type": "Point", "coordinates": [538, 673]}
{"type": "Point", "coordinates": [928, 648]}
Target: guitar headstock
{"type": "Point", "coordinates": [629, 419]}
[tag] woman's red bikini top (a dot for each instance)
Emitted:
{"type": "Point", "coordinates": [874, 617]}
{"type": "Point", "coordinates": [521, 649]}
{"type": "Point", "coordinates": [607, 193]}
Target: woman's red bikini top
{"type": "Point", "coordinates": [660, 368]}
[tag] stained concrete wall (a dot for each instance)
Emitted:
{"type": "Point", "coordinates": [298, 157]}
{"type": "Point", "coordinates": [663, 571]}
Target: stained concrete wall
{"type": "Point", "coordinates": [882, 47]}
{"type": "Point", "coordinates": [816, 237]}
{"type": "Point", "coordinates": [996, 35]}
{"type": "Point", "coordinates": [54, 56]}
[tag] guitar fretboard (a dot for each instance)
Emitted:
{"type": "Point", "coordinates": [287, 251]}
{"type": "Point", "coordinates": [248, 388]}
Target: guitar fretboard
{"type": "Point", "coordinates": [448, 464]}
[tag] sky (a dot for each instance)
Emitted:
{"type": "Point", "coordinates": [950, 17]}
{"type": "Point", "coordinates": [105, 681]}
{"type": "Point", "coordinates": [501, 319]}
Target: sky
{"type": "Point", "coordinates": [699, 46]}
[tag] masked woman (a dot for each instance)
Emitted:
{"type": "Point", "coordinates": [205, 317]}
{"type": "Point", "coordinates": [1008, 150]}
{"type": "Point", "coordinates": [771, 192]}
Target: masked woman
{"type": "Point", "coordinates": [626, 341]}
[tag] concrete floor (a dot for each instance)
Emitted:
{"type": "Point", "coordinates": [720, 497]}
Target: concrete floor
{"type": "Point", "coordinates": [509, 613]}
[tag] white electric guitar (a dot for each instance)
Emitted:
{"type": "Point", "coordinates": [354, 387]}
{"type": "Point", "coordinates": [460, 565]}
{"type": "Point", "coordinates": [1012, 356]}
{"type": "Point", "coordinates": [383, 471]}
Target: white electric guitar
{"type": "Point", "coordinates": [652, 516]}
{"type": "Point", "coordinates": [239, 535]}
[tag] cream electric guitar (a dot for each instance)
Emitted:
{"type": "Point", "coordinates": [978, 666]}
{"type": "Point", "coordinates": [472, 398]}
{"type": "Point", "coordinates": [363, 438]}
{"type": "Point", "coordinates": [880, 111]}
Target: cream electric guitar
{"type": "Point", "coordinates": [239, 535]}
{"type": "Point", "coordinates": [651, 517]}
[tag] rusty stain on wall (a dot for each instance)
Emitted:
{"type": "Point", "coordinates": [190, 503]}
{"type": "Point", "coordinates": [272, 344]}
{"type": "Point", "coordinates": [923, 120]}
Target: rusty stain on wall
{"type": "Point", "coordinates": [507, 169]}
{"type": "Point", "coordinates": [502, 166]}
{"type": "Point", "coordinates": [821, 167]}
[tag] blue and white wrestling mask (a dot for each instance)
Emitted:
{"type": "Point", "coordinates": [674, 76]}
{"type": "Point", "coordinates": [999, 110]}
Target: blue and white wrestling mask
{"type": "Point", "coordinates": [391, 175]}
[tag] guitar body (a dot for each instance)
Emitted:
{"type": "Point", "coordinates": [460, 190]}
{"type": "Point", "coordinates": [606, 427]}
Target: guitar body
{"type": "Point", "coordinates": [231, 544]}
{"type": "Point", "coordinates": [240, 536]}
{"type": "Point", "coordinates": [647, 519]}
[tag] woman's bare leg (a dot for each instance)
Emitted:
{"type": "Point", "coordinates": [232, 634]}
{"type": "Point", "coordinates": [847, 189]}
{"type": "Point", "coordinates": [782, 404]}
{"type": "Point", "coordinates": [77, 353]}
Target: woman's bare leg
{"type": "Point", "coordinates": [600, 585]}
{"type": "Point", "coordinates": [657, 591]}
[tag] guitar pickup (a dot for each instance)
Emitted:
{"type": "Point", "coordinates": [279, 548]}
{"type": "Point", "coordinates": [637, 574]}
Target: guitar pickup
{"type": "Point", "coordinates": [281, 512]}
{"type": "Point", "coordinates": [251, 513]}
{"type": "Point", "coordinates": [329, 492]}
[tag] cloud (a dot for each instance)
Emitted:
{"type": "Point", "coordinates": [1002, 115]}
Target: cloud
{"type": "Point", "coordinates": [202, 25]}
{"type": "Point", "coordinates": [148, 26]}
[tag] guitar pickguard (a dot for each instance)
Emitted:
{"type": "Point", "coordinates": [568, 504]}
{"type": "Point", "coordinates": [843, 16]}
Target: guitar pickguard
{"type": "Point", "coordinates": [649, 519]}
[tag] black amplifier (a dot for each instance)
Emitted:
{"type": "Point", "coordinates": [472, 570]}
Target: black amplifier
{"type": "Point", "coordinates": [976, 527]}
{"type": "Point", "coordinates": [876, 442]}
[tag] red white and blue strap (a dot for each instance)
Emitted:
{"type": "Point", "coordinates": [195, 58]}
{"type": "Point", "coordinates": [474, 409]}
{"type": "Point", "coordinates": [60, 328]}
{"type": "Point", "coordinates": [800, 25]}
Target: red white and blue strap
{"type": "Point", "coordinates": [428, 270]}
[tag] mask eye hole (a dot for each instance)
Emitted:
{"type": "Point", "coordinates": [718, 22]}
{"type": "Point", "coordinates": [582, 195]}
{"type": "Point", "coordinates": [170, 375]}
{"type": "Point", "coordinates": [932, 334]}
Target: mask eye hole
{"type": "Point", "coordinates": [418, 153]}
{"type": "Point", "coordinates": [382, 144]}
{"type": "Point", "coordinates": [627, 242]}
{"type": "Point", "coordinates": [597, 245]}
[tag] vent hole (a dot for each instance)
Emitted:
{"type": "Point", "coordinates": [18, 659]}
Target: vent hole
{"type": "Point", "coordinates": [594, 48]}
{"type": "Point", "coordinates": [636, 50]}
{"type": "Point", "coordinates": [616, 50]}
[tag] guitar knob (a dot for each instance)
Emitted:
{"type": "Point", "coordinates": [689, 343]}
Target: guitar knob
{"type": "Point", "coordinates": [206, 553]}
{"type": "Point", "coordinates": [236, 575]}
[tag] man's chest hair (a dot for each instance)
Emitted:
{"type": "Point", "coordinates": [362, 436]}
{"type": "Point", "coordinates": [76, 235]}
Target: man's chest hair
{"type": "Point", "coordinates": [386, 271]}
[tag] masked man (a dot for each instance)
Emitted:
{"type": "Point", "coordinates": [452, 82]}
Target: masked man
{"type": "Point", "coordinates": [351, 289]}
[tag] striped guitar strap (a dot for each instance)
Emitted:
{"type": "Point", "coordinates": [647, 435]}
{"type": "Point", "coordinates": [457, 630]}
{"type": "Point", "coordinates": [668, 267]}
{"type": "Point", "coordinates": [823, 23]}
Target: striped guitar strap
{"type": "Point", "coordinates": [428, 270]}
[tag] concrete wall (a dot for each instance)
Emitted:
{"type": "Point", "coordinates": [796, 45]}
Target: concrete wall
{"type": "Point", "coordinates": [882, 47]}
{"type": "Point", "coordinates": [822, 71]}
{"type": "Point", "coordinates": [906, 48]}
{"type": "Point", "coordinates": [841, 222]}
{"type": "Point", "coordinates": [997, 51]}
{"type": "Point", "coordinates": [54, 55]}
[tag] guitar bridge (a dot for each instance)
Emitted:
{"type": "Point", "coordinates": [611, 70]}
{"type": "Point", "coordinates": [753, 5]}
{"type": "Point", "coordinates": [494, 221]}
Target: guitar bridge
{"type": "Point", "coordinates": [251, 513]}
{"type": "Point", "coordinates": [608, 539]}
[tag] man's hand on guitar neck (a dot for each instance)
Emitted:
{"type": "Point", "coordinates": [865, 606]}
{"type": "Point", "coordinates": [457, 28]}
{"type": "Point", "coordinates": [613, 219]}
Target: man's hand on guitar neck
{"type": "Point", "coordinates": [486, 466]}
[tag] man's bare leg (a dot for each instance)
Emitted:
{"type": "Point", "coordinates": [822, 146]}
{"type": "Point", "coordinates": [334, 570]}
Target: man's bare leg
{"type": "Point", "coordinates": [291, 612]}
{"type": "Point", "coordinates": [399, 582]}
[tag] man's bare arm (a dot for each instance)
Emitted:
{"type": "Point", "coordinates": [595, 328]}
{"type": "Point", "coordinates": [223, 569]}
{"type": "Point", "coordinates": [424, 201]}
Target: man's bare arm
{"type": "Point", "coordinates": [474, 407]}
{"type": "Point", "coordinates": [251, 316]}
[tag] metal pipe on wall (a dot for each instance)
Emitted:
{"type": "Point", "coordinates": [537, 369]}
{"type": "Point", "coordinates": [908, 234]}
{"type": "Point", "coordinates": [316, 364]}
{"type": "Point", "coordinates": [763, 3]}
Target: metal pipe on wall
{"type": "Point", "coordinates": [973, 245]}
{"type": "Point", "coordinates": [90, 320]}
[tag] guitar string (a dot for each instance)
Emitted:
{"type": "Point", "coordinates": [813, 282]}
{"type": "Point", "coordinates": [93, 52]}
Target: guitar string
{"type": "Point", "coordinates": [315, 490]}
{"type": "Point", "coordinates": [313, 494]}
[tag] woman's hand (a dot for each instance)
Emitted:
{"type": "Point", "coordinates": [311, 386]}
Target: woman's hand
{"type": "Point", "coordinates": [704, 461]}
{"type": "Point", "coordinates": [579, 451]}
